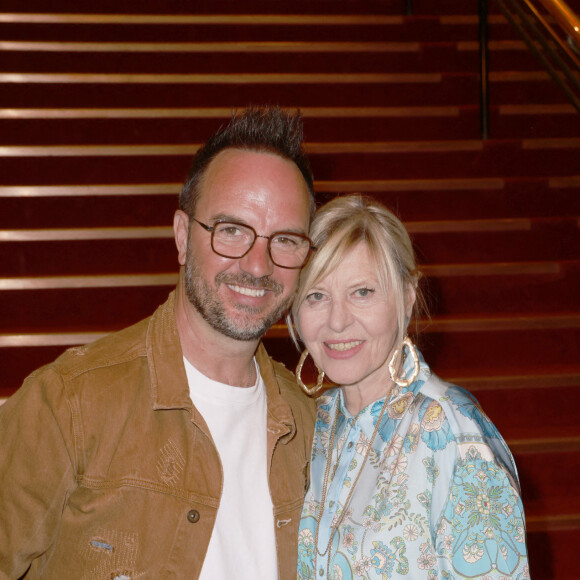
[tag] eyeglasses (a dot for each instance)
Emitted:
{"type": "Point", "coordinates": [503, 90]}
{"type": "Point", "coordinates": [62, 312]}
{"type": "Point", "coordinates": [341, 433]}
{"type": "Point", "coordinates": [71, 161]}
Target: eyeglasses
{"type": "Point", "coordinates": [235, 240]}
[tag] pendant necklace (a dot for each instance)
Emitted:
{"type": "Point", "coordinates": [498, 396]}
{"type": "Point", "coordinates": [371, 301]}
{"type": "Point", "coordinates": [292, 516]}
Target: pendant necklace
{"type": "Point", "coordinates": [325, 482]}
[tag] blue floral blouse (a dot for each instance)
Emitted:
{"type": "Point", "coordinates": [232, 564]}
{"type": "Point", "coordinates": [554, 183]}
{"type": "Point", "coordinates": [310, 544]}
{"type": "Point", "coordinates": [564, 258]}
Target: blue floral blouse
{"type": "Point", "coordinates": [438, 497]}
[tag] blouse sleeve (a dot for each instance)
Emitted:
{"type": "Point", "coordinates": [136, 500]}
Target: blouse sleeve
{"type": "Point", "coordinates": [481, 531]}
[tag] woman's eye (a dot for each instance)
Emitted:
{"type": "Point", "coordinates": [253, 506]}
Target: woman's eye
{"type": "Point", "coordinates": [315, 297]}
{"type": "Point", "coordinates": [363, 292]}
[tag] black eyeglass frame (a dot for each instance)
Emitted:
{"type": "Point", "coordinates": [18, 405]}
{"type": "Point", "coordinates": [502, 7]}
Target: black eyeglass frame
{"type": "Point", "coordinates": [211, 230]}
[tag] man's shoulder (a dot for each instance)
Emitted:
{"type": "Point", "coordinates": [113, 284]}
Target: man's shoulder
{"type": "Point", "coordinates": [283, 374]}
{"type": "Point", "coordinates": [113, 349]}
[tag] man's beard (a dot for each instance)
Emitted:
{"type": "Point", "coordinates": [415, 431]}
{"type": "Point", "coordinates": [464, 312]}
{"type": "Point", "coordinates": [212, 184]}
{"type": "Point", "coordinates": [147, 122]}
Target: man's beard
{"type": "Point", "coordinates": [205, 300]}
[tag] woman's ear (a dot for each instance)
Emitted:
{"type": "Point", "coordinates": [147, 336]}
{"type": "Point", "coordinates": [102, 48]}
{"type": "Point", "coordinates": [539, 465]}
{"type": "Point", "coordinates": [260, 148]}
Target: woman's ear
{"type": "Point", "coordinates": [410, 297]}
{"type": "Point", "coordinates": [293, 330]}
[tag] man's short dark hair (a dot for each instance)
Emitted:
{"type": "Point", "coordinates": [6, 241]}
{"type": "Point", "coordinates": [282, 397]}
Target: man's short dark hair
{"type": "Point", "coordinates": [257, 129]}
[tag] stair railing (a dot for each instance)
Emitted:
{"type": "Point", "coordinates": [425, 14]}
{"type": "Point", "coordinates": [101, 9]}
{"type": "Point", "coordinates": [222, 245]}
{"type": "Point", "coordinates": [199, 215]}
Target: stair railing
{"type": "Point", "coordinates": [557, 49]}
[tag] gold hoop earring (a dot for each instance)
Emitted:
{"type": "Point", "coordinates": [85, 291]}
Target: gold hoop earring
{"type": "Point", "coordinates": [311, 392]}
{"type": "Point", "coordinates": [404, 381]}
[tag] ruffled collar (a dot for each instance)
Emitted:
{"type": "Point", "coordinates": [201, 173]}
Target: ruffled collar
{"type": "Point", "coordinates": [367, 417]}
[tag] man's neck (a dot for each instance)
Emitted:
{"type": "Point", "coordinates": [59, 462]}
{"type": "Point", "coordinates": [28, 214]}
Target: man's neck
{"type": "Point", "coordinates": [217, 356]}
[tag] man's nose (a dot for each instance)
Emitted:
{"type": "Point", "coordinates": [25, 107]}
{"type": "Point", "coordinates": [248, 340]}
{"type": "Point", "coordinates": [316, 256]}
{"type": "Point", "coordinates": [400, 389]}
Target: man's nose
{"type": "Point", "coordinates": [257, 261]}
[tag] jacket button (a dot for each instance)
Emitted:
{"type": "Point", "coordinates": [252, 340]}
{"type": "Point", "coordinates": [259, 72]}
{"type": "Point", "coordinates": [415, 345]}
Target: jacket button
{"type": "Point", "coordinates": [192, 516]}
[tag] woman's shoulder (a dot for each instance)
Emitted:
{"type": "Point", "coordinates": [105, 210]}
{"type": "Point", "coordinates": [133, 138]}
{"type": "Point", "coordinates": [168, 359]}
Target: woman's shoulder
{"type": "Point", "coordinates": [466, 422]}
{"type": "Point", "coordinates": [459, 406]}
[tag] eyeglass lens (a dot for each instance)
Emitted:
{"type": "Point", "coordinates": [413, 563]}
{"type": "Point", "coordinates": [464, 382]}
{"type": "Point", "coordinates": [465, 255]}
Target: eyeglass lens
{"type": "Point", "coordinates": [234, 240]}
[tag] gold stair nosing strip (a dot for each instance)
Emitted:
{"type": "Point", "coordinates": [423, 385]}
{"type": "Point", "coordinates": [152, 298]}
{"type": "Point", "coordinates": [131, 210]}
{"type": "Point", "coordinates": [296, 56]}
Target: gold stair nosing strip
{"type": "Point", "coordinates": [190, 149]}
{"type": "Point", "coordinates": [210, 47]}
{"type": "Point", "coordinates": [508, 382]}
{"type": "Point", "coordinates": [162, 279]}
{"type": "Point", "coordinates": [342, 186]}
{"type": "Point", "coordinates": [49, 339]}
{"type": "Point", "coordinates": [154, 232]}
{"type": "Point", "coordinates": [33, 191]}
{"type": "Point", "coordinates": [564, 182]}
{"type": "Point", "coordinates": [204, 19]}
{"type": "Point", "coordinates": [471, 19]}
{"type": "Point", "coordinates": [225, 113]}
{"type": "Point", "coordinates": [544, 444]}
{"type": "Point", "coordinates": [88, 281]}
{"type": "Point", "coordinates": [477, 183]}
{"type": "Point", "coordinates": [550, 109]}
{"type": "Point", "coordinates": [548, 522]}
{"type": "Point", "coordinates": [219, 79]}
{"type": "Point", "coordinates": [494, 45]}
{"type": "Point", "coordinates": [553, 143]}
{"type": "Point", "coordinates": [519, 76]}
{"type": "Point", "coordinates": [331, 148]}
{"type": "Point", "coordinates": [97, 233]}
{"type": "Point", "coordinates": [395, 146]}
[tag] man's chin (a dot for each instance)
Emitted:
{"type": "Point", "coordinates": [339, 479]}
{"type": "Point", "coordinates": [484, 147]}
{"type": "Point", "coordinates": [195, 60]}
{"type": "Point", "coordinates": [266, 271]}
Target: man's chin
{"type": "Point", "coordinates": [249, 327]}
{"type": "Point", "coordinates": [245, 333]}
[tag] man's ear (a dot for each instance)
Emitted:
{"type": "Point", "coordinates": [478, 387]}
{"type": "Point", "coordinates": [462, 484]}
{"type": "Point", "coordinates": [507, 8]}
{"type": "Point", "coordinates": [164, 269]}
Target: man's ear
{"type": "Point", "coordinates": [181, 233]}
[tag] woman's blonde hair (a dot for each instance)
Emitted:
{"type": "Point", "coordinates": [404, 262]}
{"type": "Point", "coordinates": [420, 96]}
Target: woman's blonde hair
{"type": "Point", "coordinates": [338, 227]}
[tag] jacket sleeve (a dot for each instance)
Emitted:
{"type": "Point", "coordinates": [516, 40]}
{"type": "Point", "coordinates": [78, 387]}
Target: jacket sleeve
{"type": "Point", "coordinates": [36, 470]}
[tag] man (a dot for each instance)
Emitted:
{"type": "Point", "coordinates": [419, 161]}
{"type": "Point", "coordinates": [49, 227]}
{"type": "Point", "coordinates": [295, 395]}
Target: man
{"type": "Point", "coordinates": [176, 448]}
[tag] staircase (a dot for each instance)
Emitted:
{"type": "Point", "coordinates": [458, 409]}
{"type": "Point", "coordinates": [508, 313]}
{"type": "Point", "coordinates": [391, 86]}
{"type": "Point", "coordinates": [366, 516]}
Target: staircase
{"type": "Point", "coordinates": [100, 114]}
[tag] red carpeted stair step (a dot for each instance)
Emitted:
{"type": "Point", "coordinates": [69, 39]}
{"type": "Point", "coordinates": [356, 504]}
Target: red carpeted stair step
{"type": "Point", "coordinates": [341, 161]}
{"type": "Point", "coordinates": [150, 204]}
{"type": "Point", "coordinates": [51, 252]}
{"type": "Point", "coordinates": [517, 289]}
{"type": "Point", "coordinates": [257, 27]}
{"type": "Point", "coordinates": [39, 302]}
{"type": "Point", "coordinates": [323, 124]}
{"type": "Point", "coordinates": [223, 90]}
{"type": "Point", "coordinates": [228, 57]}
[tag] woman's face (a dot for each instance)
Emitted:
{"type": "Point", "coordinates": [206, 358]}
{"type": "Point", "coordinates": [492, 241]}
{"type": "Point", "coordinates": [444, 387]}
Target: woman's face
{"type": "Point", "coordinates": [349, 324]}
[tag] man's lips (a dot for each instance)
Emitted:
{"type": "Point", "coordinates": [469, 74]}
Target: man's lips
{"type": "Point", "coordinates": [253, 292]}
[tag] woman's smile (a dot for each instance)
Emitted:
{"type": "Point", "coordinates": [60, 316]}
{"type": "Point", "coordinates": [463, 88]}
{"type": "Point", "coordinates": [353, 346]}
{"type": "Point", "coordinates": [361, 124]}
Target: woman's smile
{"type": "Point", "coordinates": [343, 349]}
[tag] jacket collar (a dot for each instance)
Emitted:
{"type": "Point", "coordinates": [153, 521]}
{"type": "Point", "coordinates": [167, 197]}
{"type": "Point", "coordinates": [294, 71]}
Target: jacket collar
{"type": "Point", "coordinates": [279, 410]}
{"type": "Point", "coordinates": [169, 387]}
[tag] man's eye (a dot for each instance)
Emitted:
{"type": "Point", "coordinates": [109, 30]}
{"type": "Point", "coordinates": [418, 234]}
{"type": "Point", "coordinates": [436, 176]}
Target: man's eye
{"type": "Point", "coordinates": [285, 240]}
{"type": "Point", "coordinates": [228, 230]}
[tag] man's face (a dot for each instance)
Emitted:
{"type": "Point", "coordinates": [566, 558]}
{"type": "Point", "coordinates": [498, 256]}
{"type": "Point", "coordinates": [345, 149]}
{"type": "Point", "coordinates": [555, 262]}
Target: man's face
{"type": "Point", "coordinates": [242, 298]}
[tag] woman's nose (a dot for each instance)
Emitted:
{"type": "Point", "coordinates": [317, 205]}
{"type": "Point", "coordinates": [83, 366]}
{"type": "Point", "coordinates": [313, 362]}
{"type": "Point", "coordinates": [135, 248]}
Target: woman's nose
{"type": "Point", "coordinates": [340, 316]}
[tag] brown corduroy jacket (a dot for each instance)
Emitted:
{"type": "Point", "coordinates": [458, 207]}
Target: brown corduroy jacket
{"type": "Point", "coordinates": [107, 469]}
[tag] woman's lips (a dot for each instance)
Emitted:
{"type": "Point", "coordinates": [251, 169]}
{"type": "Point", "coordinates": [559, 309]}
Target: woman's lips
{"type": "Point", "coordinates": [342, 349]}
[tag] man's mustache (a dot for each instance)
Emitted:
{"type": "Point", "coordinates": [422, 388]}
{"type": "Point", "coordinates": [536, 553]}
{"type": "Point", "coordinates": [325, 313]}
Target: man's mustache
{"type": "Point", "coordinates": [249, 281]}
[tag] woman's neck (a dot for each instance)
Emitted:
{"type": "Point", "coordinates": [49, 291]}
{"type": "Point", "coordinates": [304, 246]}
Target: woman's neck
{"type": "Point", "coordinates": [357, 397]}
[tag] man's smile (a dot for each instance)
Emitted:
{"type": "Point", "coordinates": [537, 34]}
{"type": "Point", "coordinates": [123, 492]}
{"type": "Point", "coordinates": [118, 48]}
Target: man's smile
{"type": "Point", "coordinates": [255, 292]}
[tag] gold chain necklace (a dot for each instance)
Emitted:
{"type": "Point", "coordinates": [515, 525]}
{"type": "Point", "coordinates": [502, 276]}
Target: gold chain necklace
{"type": "Point", "coordinates": [326, 478]}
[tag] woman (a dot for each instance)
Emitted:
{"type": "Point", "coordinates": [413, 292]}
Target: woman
{"type": "Point", "coordinates": [409, 478]}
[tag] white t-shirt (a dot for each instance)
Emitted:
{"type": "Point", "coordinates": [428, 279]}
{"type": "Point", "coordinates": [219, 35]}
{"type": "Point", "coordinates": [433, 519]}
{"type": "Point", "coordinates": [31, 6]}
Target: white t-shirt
{"type": "Point", "coordinates": [243, 542]}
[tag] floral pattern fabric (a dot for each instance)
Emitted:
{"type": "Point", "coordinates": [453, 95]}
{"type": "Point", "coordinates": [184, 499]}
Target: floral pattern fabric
{"type": "Point", "coordinates": [437, 496]}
